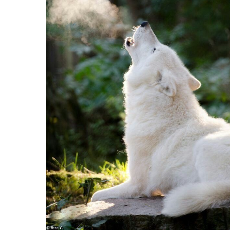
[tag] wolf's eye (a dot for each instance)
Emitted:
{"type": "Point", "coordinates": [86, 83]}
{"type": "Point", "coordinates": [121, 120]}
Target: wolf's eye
{"type": "Point", "coordinates": [154, 50]}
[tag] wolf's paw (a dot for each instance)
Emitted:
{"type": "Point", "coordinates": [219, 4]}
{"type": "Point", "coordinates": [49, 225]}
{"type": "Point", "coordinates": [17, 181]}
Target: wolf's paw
{"type": "Point", "coordinates": [100, 195]}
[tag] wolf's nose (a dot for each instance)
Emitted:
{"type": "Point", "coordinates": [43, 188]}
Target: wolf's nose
{"type": "Point", "coordinates": [143, 24]}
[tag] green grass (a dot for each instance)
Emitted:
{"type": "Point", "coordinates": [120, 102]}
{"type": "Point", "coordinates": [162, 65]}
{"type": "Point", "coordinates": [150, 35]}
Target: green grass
{"type": "Point", "coordinates": [74, 184]}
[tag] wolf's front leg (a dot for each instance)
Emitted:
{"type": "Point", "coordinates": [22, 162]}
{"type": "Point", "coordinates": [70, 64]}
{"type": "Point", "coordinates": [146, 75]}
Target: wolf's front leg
{"type": "Point", "coordinates": [125, 190]}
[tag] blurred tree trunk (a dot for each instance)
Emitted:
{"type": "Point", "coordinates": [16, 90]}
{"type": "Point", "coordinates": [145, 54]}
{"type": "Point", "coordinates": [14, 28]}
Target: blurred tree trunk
{"type": "Point", "coordinates": [133, 6]}
{"type": "Point", "coordinates": [180, 16]}
{"type": "Point", "coordinates": [79, 121]}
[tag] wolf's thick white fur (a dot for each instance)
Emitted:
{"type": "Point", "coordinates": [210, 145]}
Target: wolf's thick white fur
{"type": "Point", "coordinates": [172, 144]}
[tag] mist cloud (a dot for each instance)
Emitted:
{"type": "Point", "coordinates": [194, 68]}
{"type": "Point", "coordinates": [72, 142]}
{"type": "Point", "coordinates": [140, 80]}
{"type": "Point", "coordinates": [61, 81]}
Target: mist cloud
{"type": "Point", "coordinates": [97, 15]}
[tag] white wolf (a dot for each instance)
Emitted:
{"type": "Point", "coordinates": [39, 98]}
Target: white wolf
{"type": "Point", "coordinates": [172, 144]}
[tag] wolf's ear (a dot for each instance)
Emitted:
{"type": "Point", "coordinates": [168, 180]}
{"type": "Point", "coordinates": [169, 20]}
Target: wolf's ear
{"type": "Point", "coordinates": [193, 83]}
{"type": "Point", "coordinates": [166, 84]}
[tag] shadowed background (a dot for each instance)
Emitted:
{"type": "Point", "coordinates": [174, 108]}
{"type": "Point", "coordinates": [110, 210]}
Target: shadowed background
{"type": "Point", "coordinates": [86, 62]}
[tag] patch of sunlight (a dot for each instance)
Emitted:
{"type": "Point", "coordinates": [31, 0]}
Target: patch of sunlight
{"type": "Point", "coordinates": [80, 211]}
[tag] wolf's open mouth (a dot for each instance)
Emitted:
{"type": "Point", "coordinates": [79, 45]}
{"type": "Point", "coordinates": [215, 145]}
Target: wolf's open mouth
{"type": "Point", "coordinates": [130, 41]}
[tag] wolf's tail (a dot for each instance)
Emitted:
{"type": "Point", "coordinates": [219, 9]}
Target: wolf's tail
{"type": "Point", "coordinates": [196, 197]}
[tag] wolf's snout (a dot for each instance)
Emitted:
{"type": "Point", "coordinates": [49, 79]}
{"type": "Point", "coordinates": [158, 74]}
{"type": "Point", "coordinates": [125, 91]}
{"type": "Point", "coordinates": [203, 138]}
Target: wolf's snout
{"type": "Point", "coordinates": [143, 24]}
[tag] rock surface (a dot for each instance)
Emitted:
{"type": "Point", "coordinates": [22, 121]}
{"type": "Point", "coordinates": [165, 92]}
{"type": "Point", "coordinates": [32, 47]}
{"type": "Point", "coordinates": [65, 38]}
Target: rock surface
{"type": "Point", "coordinates": [139, 214]}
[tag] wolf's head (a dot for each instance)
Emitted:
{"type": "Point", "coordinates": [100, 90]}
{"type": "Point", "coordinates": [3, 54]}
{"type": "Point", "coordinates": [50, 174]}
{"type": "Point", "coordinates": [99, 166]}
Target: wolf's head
{"type": "Point", "coordinates": [146, 51]}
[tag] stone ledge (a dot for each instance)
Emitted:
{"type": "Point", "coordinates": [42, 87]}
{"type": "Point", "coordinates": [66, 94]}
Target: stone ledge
{"type": "Point", "coordinates": [140, 214]}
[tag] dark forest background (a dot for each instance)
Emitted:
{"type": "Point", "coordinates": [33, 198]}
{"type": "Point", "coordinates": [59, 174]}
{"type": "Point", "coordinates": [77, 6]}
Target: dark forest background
{"type": "Point", "coordinates": [85, 113]}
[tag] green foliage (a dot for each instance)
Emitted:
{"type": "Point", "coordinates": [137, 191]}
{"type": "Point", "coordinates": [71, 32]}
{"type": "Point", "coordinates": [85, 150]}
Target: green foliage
{"type": "Point", "coordinates": [214, 78]}
{"type": "Point", "coordinates": [90, 97]}
{"type": "Point", "coordinates": [200, 29]}
{"type": "Point", "coordinates": [118, 170]}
